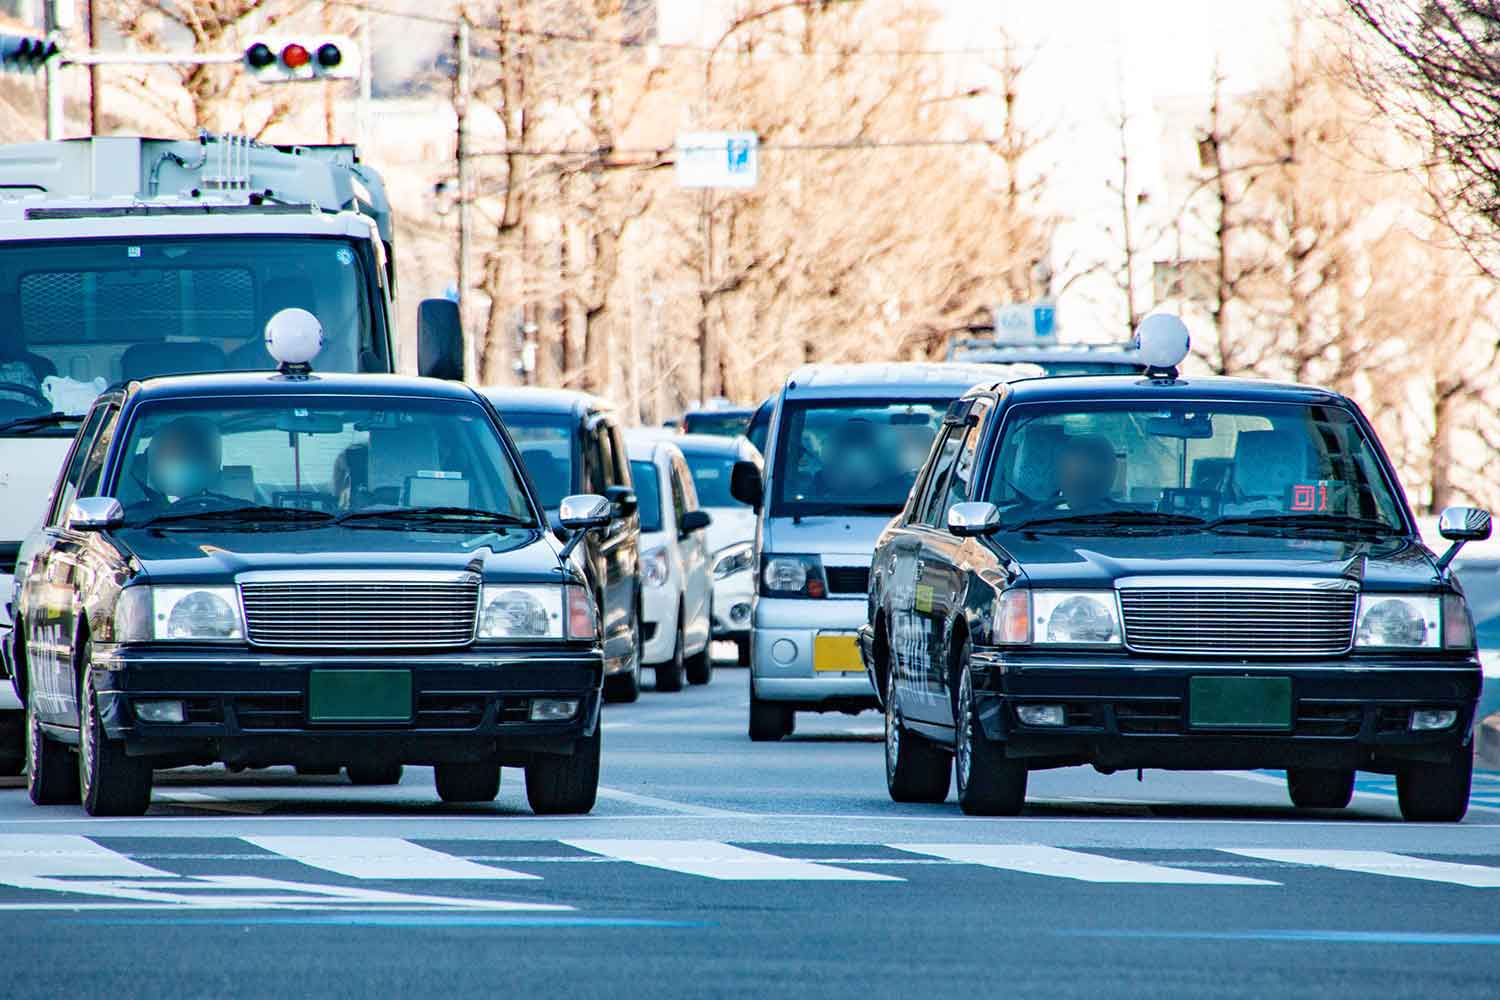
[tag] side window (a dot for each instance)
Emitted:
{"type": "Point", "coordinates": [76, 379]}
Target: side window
{"type": "Point", "coordinates": [594, 480]}
{"type": "Point", "coordinates": [679, 497]}
{"type": "Point", "coordinates": [962, 478]}
{"type": "Point", "coordinates": [93, 466]}
{"type": "Point", "coordinates": [73, 471]}
{"type": "Point", "coordinates": [935, 507]}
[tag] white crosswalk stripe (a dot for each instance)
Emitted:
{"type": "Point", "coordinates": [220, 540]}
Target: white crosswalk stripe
{"type": "Point", "coordinates": [26, 856]}
{"type": "Point", "coordinates": [715, 860]}
{"type": "Point", "coordinates": [1380, 863]}
{"type": "Point", "coordinates": [379, 858]}
{"type": "Point", "coordinates": [1037, 859]}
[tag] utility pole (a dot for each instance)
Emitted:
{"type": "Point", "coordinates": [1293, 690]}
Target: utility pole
{"type": "Point", "coordinates": [96, 117]}
{"type": "Point", "coordinates": [59, 20]}
{"type": "Point", "coordinates": [461, 88]}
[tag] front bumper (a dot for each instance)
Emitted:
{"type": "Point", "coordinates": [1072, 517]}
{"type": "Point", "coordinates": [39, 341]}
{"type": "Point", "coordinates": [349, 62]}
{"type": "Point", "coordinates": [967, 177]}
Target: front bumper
{"type": "Point", "coordinates": [659, 622]}
{"type": "Point", "coordinates": [1127, 712]}
{"type": "Point", "coordinates": [782, 646]}
{"type": "Point", "coordinates": [249, 708]}
{"type": "Point", "coordinates": [733, 600]}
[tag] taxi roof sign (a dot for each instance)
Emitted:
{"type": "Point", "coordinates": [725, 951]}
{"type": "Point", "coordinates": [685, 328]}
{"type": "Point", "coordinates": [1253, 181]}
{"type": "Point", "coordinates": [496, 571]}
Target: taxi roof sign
{"type": "Point", "coordinates": [1163, 341]}
{"type": "Point", "coordinates": [294, 337]}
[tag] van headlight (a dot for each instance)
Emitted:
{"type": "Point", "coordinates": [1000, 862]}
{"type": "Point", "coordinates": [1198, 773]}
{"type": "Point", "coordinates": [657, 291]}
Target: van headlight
{"type": "Point", "coordinates": [733, 559]}
{"type": "Point", "coordinates": [1398, 621]}
{"type": "Point", "coordinates": [792, 576]}
{"type": "Point", "coordinates": [1075, 618]}
{"type": "Point", "coordinates": [191, 614]}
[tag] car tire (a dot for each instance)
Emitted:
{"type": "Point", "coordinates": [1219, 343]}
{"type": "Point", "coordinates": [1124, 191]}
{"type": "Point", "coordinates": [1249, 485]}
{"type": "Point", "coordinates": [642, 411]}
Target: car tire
{"type": "Point", "coordinates": [467, 782]}
{"type": "Point", "coordinates": [557, 785]}
{"type": "Point", "coordinates": [110, 782]}
{"type": "Point", "coordinates": [374, 774]}
{"type": "Point", "coordinates": [989, 782]}
{"type": "Point", "coordinates": [672, 675]}
{"type": "Point", "coordinates": [742, 658]}
{"type": "Point", "coordinates": [1320, 787]}
{"type": "Point", "coordinates": [769, 721]}
{"type": "Point", "coordinates": [915, 769]}
{"type": "Point", "coordinates": [1436, 793]}
{"type": "Point", "coordinates": [51, 771]}
{"type": "Point", "coordinates": [700, 666]}
{"type": "Point", "coordinates": [12, 742]}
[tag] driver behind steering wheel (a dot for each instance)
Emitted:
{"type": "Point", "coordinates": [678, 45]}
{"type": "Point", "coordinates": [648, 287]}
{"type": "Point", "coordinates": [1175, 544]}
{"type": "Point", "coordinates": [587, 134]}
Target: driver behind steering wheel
{"type": "Point", "coordinates": [184, 460]}
{"type": "Point", "coordinates": [1085, 474]}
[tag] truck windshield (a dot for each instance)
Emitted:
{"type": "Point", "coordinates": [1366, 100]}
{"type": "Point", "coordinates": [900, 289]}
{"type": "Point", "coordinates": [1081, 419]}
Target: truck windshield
{"type": "Point", "coordinates": [79, 315]}
{"type": "Point", "coordinates": [1228, 465]}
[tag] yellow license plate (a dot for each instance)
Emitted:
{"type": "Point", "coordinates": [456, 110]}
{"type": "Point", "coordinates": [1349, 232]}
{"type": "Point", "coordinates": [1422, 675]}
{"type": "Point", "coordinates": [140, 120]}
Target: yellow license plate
{"type": "Point", "coordinates": [836, 653]}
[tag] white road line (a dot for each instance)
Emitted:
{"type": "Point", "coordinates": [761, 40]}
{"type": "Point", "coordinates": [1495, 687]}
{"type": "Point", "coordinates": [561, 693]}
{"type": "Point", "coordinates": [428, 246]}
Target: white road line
{"type": "Point", "coordinates": [379, 858]}
{"type": "Point", "coordinates": [30, 856]}
{"type": "Point", "coordinates": [685, 808]}
{"type": "Point", "coordinates": [1036, 859]}
{"type": "Point", "coordinates": [715, 860]}
{"type": "Point", "coordinates": [1379, 863]}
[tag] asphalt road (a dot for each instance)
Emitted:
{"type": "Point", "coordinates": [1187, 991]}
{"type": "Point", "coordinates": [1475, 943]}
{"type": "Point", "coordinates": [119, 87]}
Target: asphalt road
{"type": "Point", "coordinates": [716, 867]}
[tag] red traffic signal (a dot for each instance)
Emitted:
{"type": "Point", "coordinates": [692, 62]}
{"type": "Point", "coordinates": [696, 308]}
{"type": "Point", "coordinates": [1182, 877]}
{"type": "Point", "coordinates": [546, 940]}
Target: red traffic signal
{"type": "Point", "coordinates": [286, 59]}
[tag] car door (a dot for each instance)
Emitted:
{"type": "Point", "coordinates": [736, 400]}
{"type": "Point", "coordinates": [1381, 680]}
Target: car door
{"type": "Point", "coordinates": [943, 565]}
{"type": "Point", "coordinates": [52, 582]}
{"type": "Point", "coordinates": [692, 547]}
{"type": "Point", "coordinates": [616, 551]}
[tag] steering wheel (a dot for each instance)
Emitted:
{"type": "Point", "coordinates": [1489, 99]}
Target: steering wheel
{"type": "Point", "coordinates": [28, 392]}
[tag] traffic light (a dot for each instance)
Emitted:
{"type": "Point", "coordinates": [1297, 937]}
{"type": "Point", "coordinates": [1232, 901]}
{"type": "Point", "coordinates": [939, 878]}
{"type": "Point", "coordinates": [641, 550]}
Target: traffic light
{"type": "Point", "coordinates": [25, 53]}
{"type": "Point", "coordinates": [285, 59]}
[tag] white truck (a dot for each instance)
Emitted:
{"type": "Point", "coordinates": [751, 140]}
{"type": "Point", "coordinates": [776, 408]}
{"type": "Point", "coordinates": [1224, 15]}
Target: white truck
{"type": "Point", "coordinates": [123, 258]}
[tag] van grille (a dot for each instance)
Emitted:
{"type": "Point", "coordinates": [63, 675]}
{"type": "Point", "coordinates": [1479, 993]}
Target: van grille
{"type": "Point", "coordinates": [374, 614]}
{"type": "Point", "coordinates": [848, 579]}
{"type": "Point", "coordinates": [1238, 622]}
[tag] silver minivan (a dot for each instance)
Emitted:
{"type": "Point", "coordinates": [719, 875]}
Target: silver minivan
{"type": "Point", "coordinates": [844, 445]}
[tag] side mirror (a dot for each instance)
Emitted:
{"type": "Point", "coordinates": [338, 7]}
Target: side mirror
{"type": "Point", "coordinates": [695, 520]}
{"type": "Point", "coordinates": [972, 519]}
{"type": "Point", "coordinates": [1459, 525]}
{"type": "Point", "coordinates": [440, 340]}
{"type": "Point", "coordinates": [95, 514]}
{"type": "Point", "coordinates": [746, 485]}
{"type": "Point", "coordinates": [580, 514]}
{"type": "Point", "coordinates": [624, 498]}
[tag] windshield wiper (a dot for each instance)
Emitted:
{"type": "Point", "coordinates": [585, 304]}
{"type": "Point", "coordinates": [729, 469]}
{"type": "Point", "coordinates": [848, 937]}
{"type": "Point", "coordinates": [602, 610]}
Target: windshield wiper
{"type": "Point", "coordinates": [835, 509]}
{"type": "Point", "coordinates": [25, 425]}
{"type": "Point", "coordinates": [256, 514]}
{"type": "Point", "coordinates": [468, 515]}
{"type": "Point", "coordinates": [1118, 518]}
{"type": "Point", "coordinates": [1323, 522]}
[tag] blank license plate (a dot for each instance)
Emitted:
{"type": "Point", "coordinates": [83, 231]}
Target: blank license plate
{"type": "Point", "coordinates": [359, 696]}
{"type": "Point", "coordinates": [1240, 703]}
{"type": "Point", "coordinates": [835, 653]}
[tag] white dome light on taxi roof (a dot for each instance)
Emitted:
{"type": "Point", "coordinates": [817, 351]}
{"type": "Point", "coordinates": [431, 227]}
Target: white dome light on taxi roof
{"type": "Point", "coordinates": [1162, 340]}
{"type": "Point", "coordinates": [294, 337]}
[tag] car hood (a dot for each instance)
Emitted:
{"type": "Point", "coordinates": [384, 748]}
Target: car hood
{"type": "Point", "coordinates": [1099, 560]}
{"type": "Point", "coordinates": [514, 555]}
{"type": "Point", "coordinates": [851, 538]}
{"type": "Point", "coordinates": [729, 525]}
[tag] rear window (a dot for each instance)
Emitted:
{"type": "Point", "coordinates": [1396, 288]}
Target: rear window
{"type": "Point", "coordinates": [711, 478]}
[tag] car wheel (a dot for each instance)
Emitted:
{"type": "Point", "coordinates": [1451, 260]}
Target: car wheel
{"type": "Point", "coordinates": [672, 675]}
{"type": "Point", "coordinates": [915, 769]}
{"type": "Point", "coordinates": [742, 646]}
{"type": "Point", "coordinates": [989, 783]}
{"type": "Point", "coordinates": [110, 783]}
{"type": "Point", "coordinates": [1436, 793]}
{"type": "Point", "coordinates": [12, 742]}
{"type": "Point", "coordinates": [51, 771]}
{"type": "Point", "coordinates": [467, 782]}
{"type": "Point", "coordinates": [700, 666]}
{"type": "Point", "coordinates": [557, 785]}
{"type": "Point", "coordinates": [768, 720]}
{"type": "Point", "coordinates": [374, 774]}
{"type": "Point", "coordinates": [1319, 787]}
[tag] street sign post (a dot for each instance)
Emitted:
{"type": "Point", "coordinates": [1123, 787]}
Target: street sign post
{"type": "Point", "coordinates": [718, 159]}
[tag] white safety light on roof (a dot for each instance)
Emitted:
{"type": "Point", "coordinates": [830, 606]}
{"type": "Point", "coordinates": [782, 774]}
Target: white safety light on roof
{"type": "Point", "coordinates": [294, 337]}
{"type": "Point", "coordinates": [1162, 340]}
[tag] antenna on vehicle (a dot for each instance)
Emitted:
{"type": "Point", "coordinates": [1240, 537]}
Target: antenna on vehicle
{"type": "Point", "coordinates": [1162, 340]}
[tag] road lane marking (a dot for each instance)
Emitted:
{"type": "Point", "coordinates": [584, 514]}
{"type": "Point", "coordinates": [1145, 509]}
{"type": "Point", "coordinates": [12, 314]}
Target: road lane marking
{"type": "Point", "coordinates": [25, 856]}
{"type": "Point", "coordinates": [1320, 936]}
{"type": "Point", "coordinates": [685, 808]}
{"type": "Point", "coordinates": [715, 860]}
{"type": "Point", "coordinates": [1379, 863]}
{"type": "Point", "coordinates": [1037, 859]}
{"type": "Point", "coordinates": [379, 858]}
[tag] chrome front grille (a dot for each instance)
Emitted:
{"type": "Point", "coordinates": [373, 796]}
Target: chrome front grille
{"type": "Point", "coordinates": [347, 613]}
{"type": "Point", "coordinates": [1219, 621]}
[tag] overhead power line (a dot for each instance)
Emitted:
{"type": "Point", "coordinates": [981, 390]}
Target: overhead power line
{"type": "Point", "coordinates": [775, 147]}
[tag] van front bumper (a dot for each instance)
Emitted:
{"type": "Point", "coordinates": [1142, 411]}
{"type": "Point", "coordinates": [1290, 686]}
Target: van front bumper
{"type": "Point", "coordinates": [783, 646]}
{"type": "Point", "coordinates": [1123, 711]}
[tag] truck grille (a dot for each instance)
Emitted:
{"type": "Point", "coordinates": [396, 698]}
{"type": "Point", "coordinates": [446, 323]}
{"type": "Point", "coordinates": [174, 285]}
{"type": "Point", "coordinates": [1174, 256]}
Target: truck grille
{"type": "Point", "coordinates": [365, 614]}
{"type": "Point", "coordinates": [1238, 622]}
{"type": "Point", "coordinates": [848, 579]}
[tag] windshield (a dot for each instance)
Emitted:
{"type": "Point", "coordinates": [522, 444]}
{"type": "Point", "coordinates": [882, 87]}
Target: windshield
{"type": "Point", "coordinates": [648, 492]}
{"type": "Point", "coordinates": [1189, 463]}
{"type": "Point", "coordinates": [856, 456]}
{"type": "Point", "coordinates": [329, 455]}
{"type": "Point", "coordinates": [545, 441]}
{"type": "Point", "coordinates": [711, 472]}
{"type": "Point", "coordinates": [728, 423]}
{"type": "Point", "coordinates": [79, 315]}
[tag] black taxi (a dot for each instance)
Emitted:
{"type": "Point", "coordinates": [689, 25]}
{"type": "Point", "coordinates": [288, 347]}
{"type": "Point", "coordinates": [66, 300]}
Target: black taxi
{"type": "Point", "coordinates": [1166, 572]}
{"type": "Point", "coordinates": [294, 568]}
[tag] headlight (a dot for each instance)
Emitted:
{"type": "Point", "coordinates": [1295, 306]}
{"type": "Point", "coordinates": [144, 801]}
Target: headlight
{"type": "Point", "coordinates": [508, 612]}
{"type": "Point", "coordinates": [1075, 618]}
{"type": "Point", "coordinates": [194, 614]}
{"type": "Point", "coordinates": [733, 559]}
{"type": "Point", "coordinates": [1391, 621]}
{"type": "Point", "coordinates": [654, 567]}
{"type": "Point", "coordinates": [792, 576]}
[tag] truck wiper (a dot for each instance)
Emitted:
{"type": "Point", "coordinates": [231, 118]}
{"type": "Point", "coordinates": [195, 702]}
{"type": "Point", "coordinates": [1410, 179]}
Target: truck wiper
{"type": "Point", "coordinates": [25, 425]}
{"type": "Point", "coordinates": [1118, 518]}
{"type": "Point", "coordinates": [1324, 522]}
{"type": "Point", "coordinates": [258, 514]}
{"type": "Point", "coordinates": [467, 515]}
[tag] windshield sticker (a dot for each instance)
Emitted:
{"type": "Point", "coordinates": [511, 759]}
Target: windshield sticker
{"type": "Point", "coordinates": [1321, 497]}
{"type": "Point", "coordinates": [439, 474]}
{"type": "Point", "coordinates": [344, 256]}
{"type": "Point", "coordinates": [133, 252]}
